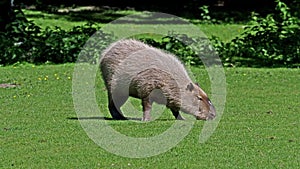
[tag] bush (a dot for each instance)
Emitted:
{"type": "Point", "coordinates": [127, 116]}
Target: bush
{"type": "Point", "coordinates": [23, 41]}
{"type": "Point", "coordinates": [270, 41]}
{"type": "Point", "coordinates": [178, 45]}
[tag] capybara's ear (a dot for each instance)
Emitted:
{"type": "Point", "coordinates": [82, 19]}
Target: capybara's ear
{"type": "Point", "coordinates": [190, 87]}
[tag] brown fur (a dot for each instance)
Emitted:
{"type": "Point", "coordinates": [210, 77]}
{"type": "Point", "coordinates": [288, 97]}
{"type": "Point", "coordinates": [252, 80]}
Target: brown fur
{"type": "Point", "coordinates": [132, 68]}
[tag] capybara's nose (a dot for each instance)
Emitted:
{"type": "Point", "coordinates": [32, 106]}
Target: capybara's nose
{"type": "Point", "coordinates": [212, 113]}
{"type": "Point", "coordinates": [211, 116]}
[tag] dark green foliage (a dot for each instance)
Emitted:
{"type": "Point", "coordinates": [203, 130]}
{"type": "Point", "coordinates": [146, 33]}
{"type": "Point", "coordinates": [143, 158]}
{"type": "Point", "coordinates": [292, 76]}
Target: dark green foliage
{"type": "Point", "coordinates": [178, 45]}
{"type": "Point", "coordinates": [24, 41]}
{"type": "Point", "coordinates": [270, 41]}
{"type": "Point", "coordinates": [190, 50]}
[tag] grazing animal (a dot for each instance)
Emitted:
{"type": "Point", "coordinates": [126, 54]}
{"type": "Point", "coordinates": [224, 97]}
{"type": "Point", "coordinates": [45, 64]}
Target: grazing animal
{"type": "Point", "coordinates": [132, 68]}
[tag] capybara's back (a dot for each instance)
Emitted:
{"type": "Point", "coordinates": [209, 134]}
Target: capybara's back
{"type": "Point", "coordinates": [132, 68]}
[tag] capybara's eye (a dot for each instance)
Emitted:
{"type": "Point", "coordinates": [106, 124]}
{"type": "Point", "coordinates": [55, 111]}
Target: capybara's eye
{"type": "Point", "coordinates": [199, 97]}
{"type": "Point", "coordinates": [209, 102]}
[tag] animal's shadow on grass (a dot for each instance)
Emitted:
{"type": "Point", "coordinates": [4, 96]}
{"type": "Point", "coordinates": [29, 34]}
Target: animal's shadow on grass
{"type": "Point", "coordinates": [100, 118]}
{"type": "Point", "coordinates": [109, 118]}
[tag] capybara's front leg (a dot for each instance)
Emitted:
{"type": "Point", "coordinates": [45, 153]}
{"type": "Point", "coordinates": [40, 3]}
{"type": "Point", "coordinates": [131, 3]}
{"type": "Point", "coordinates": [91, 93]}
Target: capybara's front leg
{"type": "Point", "coordinates": [147, 105]}
{"type": "Point", "coordinates": [177, 115]}
{"type": "Point", "coordinates": [115, 111]}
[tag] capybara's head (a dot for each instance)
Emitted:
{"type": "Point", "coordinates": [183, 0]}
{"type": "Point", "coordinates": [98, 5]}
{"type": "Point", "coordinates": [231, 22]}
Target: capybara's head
{"type": "Point", "coordinates": [206, 110]}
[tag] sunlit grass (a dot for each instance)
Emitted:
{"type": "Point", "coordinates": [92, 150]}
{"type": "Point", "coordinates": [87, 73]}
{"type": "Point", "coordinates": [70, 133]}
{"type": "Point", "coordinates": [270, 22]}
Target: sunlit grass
{"type": "Point", "coordinates": [44, 20]}
{"type": "Point", "coordinates": [225, 32]}
{"type": "Point", "coordinates": [259, 128]}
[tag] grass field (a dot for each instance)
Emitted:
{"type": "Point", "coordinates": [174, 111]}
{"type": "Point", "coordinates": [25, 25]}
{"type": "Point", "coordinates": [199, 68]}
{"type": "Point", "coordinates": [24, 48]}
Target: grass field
{"type": "Point", "coordinates": [225, 32]}
{"type": "Point", "coordinates": [259, 128]}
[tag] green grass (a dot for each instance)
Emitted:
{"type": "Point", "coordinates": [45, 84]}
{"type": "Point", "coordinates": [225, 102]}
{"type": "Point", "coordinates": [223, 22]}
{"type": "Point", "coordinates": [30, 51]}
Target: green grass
{"type": "Point", "coordinates": [259, 128]}
{"type": "Point", "coordinates": [44, 20]}
{"type": "Point", "coordinates": [225, 32]}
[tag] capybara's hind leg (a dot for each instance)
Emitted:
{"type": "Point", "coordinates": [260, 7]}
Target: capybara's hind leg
{"type": "Point", "coordinates": [147, 105]}
{"type": "Point", "coordinates": [115, 111]}
{"type": "Point", "coordinates": [177, 115]}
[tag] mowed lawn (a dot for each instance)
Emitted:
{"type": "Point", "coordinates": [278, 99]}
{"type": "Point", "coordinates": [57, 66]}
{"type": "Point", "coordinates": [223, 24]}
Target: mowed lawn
{"type": "Point", "coordinates": [225, 32]}
{"type": "Point", "coordinates": [259, 128]}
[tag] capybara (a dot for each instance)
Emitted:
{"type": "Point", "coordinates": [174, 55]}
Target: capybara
{"type": "Point", "coordinates": [132, 68]}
